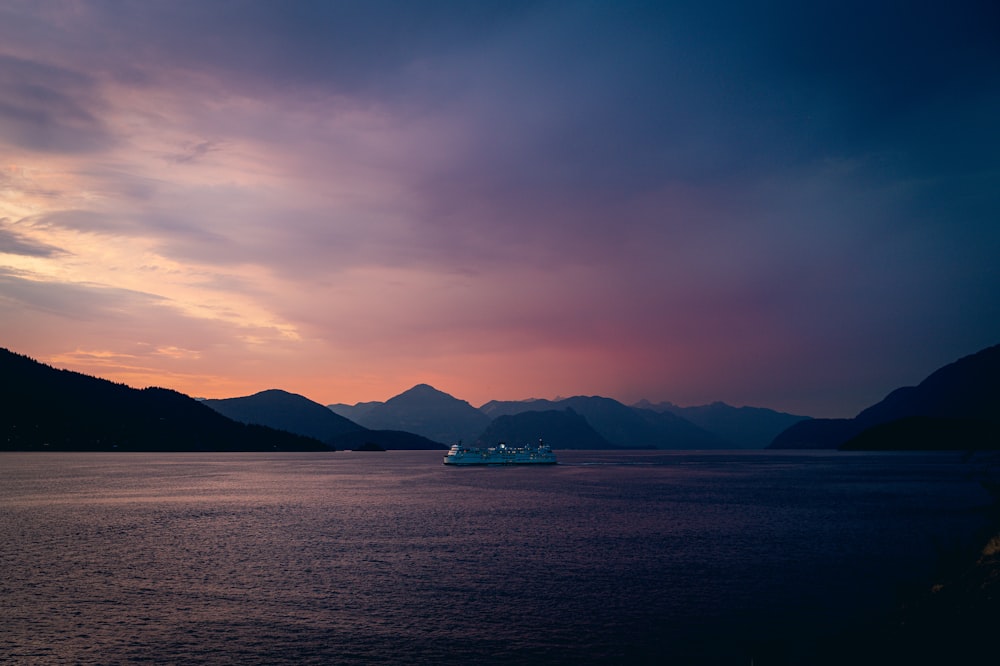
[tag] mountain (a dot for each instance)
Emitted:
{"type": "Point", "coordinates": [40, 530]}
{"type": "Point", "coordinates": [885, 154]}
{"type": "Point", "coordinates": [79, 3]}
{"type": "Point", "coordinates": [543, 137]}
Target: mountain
{"type": "Point", "coordinates": [560, 429]}
{"type": "Point", "coordinates": [285, 411]}
{"type": "Point", "coordinates": [643, 428]}
{"type": "Point", "coordinates": [961, 398]}
{"type": "Point", "coordinates": [426, 411]}
{"type": "Point", "coordinates": [743, 427]}
{"type": "Point", "coordinates": [816, 434]}
{"type": "Point", "coordinates": [969, 388]}
{"type": "Point", "coordinates": [354, 412]}
{"type": "Point", "coordinates": [927, 433]}
{"type": "Point", "coordinates": [48, 409]}
{"type": "Point", "coordinates": [288, 411]}
{"type": "Point", "coordinates": [495, 408]}
{"type": "Point", "coordinates": [622, 426]}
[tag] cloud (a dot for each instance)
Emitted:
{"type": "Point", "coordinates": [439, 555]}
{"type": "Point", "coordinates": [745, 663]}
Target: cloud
{"type": "Point", "coordinates": [667, 194]}
{"type": "Point", "coordinates": [81, 302]}
{"type": "Point", "coordinates": [49, 109]}
{"type": "Point", "coordinates": [192, 152]}
{"type": "Point", "coordinates": [12, 242]}
{"type": "Point", "coordinates": [256, 48]}
{"type": "Point", "coordinates": [134, 335]}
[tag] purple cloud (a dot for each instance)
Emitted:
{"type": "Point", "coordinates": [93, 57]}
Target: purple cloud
{"type": "Point", "coordinates": [668, 199]}
{"type": "Point", "coordinates": [12, 242]}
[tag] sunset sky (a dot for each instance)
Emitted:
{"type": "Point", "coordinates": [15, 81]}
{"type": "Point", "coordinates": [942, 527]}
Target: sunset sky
{"type": "Point", "coordinates": [792, 205]}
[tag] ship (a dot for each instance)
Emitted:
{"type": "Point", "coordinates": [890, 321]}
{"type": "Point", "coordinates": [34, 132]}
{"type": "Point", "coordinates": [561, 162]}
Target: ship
{"type": "Point", "coordinates": [501, 454]}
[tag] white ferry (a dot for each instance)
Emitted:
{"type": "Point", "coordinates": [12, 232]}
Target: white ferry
{"type": "Point", "coordinates": [501, 454]}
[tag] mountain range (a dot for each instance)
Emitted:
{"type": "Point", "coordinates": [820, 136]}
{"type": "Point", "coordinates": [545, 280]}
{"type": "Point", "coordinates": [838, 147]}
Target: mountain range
{"type": "Point", "coordinates": [560, 429]}
{"type": "Point", "coordinates": [955, 407]}
{"type": "Point", "coordinates": [619, 424]}
{"type": "Point", "coordinates": [577, 422]}
{"type": "Point", "coordinates": [423, 410]}
{"type": "Point", "coordinates": [295, 413]}
{"type": "Point", "coordinates": [43, 408]}
{"type": "Point", "coordinates": [747, 427]}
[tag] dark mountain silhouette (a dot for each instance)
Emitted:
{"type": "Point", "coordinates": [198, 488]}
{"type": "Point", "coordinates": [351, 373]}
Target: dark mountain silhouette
{"type": "Point", "coordinates": [295, 413]}
{"type": "Point", "coordinates": [389, 440]}
{"type": "Point", "coordinates": [960, 399]}
{"type": "Point", "coordinates": [43, 408]}
{"type": "Point", "coordinates": [560, 429]}
{"type": "Point", "coordinates": [495, 408]}
{"type": "Point", "coordinates": [816, 434]}
{"type": "Point", "coordinates": [969, 388]}
{"type": "Point", "coordinates": [622, 426]}
{"type": "Point", "coordinates": [743, 427]}
{"type": "Point", "coordinates": [354, 412]}
{"type": "Point", "coordinates": [650, 430]}
{"type": "Point", "coordinates": [426, 411]}
{"type": "Point", "coordinates": [927, 433]}
{"type": "Point", "coordinates": [285, 411]}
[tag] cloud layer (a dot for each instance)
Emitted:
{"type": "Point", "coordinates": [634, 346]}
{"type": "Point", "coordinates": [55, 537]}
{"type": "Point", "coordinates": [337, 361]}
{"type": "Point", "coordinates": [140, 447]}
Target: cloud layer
{"type": "Point", "coordinates": [785, 205]}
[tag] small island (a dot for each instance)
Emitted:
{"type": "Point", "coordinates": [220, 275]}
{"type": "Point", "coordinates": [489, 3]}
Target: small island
{"type": "Point", "coordinates": [369, 446]}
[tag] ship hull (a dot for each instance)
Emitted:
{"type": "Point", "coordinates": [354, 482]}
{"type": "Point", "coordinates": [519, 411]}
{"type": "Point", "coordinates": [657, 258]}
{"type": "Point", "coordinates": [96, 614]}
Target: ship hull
{"type": "Point", "coordinates": [501, 455]}
{"type": "Point", "coordinates": [495, 461]}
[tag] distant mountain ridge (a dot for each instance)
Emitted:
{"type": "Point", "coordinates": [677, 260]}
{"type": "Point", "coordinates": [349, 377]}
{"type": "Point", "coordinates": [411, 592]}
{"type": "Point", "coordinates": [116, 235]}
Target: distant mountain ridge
{"type": "Point", "coordinates": [43, 408]}
{"type": "Point", "coordinates": [59, 409]}
{"type": "Point", "coordinates": [662, 426]}
{"type": "Point", "coordinates": [424, 417]}
{"type": "Point", "coordinates": [965, 390]}
{"type": "Point", "coordinates": [495, 408]}
{"type": "Point", "coordinates": [355, 412]}
{"type": "Point", "coordinates": [428, 412]}
{"type": "Point", "coordinates": [295, 413]}
{"type": "Point", "coordinates": [743, 427]}
{"type": "Point", "coordinates": [962, 397]}
{"type": "Point", "coordinates": [560, 429]}
{"type": "Point", "coordinates": [628, 427]}
{"type": "Point", "coordinates": [641, 426]}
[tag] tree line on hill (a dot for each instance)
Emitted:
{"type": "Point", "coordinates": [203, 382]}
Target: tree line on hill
{"type": "Point", "coordinates": [44, 408]}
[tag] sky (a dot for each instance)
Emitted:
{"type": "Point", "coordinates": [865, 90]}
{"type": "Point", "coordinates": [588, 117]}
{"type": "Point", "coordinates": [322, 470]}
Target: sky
{"type": "Point", "coordinates": [779, 204]}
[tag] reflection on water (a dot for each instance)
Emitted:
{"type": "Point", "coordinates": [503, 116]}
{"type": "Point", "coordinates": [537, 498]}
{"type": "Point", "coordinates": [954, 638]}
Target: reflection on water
{"type": "Point", "coordinates": [353, 558]}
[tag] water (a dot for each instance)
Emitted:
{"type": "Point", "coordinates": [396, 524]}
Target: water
{"type": "Point", "coordinates": [362, 558]}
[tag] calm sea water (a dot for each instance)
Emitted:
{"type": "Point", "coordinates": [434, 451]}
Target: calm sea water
{"type": "Point", "coordinates": [394, 558]}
